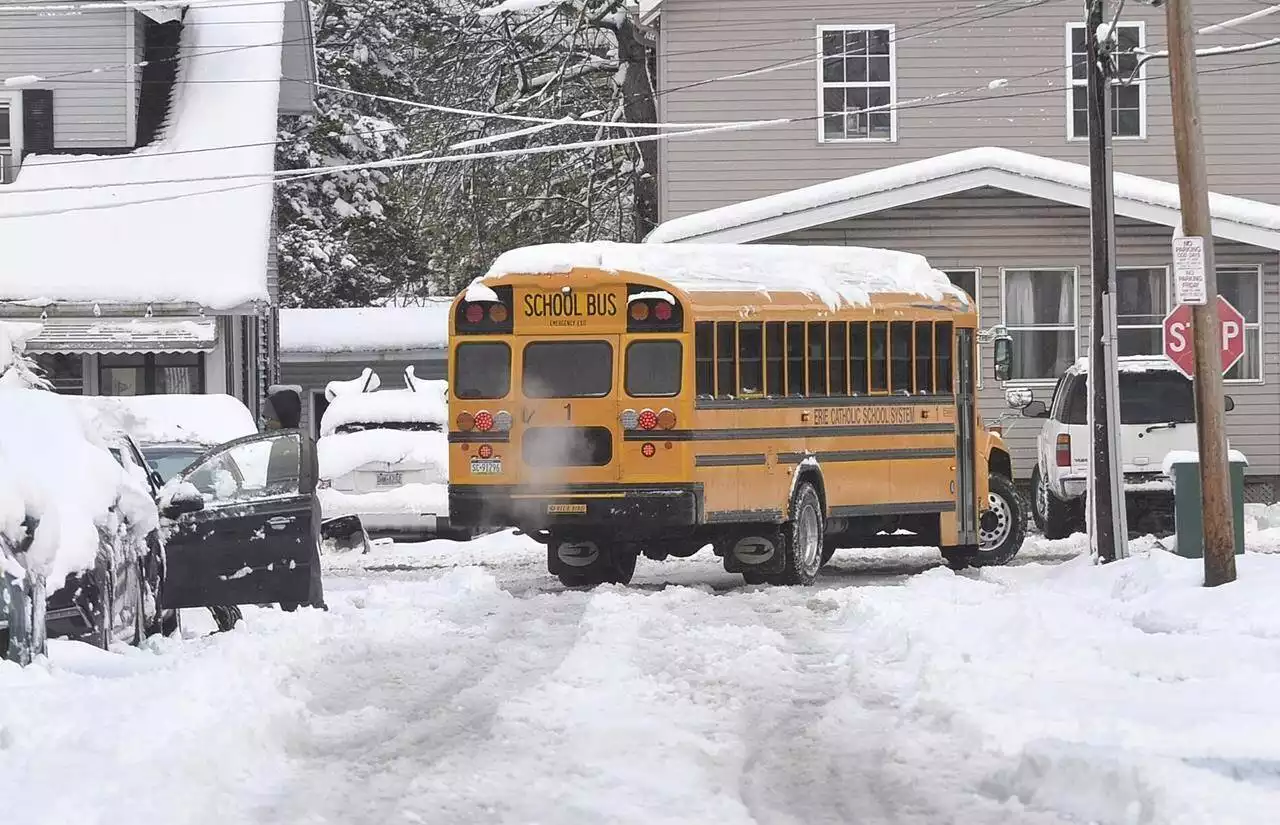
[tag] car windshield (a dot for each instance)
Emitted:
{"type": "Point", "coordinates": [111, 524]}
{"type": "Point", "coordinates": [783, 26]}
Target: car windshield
{"type": "Point", "coordinates": [169, 461]}
{"type": "Point", "coordinates": [408, 426]}
{"type": "Point", "coordinates": [1155, 397]}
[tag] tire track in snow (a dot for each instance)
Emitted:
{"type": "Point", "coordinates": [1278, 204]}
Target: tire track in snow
{"type": "Point", "coordinates": [390, 702]}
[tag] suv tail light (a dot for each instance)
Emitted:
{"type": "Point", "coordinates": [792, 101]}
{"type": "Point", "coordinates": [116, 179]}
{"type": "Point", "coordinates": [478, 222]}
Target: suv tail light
{"type": "Point", "coordinates": [1063, 451]}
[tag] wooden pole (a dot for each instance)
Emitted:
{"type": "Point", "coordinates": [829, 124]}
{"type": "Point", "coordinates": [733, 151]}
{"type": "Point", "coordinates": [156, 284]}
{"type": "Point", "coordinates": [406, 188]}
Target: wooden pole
{"type": "Point", "coordinates": [1108, 529]}
{"type": "Point", "coordinates": [1193, 185]}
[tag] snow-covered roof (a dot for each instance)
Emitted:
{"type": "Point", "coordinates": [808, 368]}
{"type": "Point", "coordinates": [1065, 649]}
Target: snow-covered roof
{"type": "Point", "coordinates": [70, 233]}
{"type": "Point", "coordinates": [372, 329]}
{"type": "Point", "coordinates": [174, 419]}
{"type": "Point", "coordinates": [1140, 198]}
{"type": "Point", "coordinates": [387, 406]}
{"type": "Point", "coordinates": [837, 275]}
{"type": "Point", "coordinates": [1130, 363]}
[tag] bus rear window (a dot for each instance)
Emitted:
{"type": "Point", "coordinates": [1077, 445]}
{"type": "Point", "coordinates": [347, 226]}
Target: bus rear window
{"type": "Point", "coordinates": [567, 369]}
{"type": "Point", "coordinates": [653, 369]}
{"type": "Point", "coordinates": [481, 369]}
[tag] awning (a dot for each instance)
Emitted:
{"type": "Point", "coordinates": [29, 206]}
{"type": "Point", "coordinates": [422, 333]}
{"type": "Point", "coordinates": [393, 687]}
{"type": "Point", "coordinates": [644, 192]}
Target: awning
{"type": "Point", "coordinates": [124, 335]}
{"type": "Point", "coordinates": [157, 10]}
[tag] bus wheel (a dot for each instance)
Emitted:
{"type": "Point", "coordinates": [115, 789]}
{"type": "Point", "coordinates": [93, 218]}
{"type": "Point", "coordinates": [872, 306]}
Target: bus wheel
{"type": "Point", "coordinates": [802, 538]}
{"type": "Point", "coordinates": [1002, 525]}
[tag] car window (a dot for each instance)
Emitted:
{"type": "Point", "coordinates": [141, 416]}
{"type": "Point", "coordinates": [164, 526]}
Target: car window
{"type": "Point", "coordinates": [250, 471]}
{"type": "Point", "coordinates": [1075, 404]}
{"type": "Point", "coordinates": [1155, 397]}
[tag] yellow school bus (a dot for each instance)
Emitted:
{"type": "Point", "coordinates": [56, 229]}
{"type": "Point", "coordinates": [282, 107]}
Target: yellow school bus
{"type": "Point", "coordinates": [776, 403]}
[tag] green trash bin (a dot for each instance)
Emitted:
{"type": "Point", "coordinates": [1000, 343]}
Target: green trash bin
{"type": "Point", "coordinates": [1184, 469]}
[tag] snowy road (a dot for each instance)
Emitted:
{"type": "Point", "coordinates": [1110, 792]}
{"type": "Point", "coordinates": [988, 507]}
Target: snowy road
{"type": "Point", "coordinates": [438, 691]}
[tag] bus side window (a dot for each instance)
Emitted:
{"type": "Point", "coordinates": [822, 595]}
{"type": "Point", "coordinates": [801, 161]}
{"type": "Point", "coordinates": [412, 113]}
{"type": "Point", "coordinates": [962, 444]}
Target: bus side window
{"type": "Point", "coordinates": [858, 357]}
{"type": "Point", "coordinates": [704, 340]}
{"type": "Point", "coordinates": [900, 340]}
{"type": "Point", "coordinates": [795, 358]}
{"type": "Point", "coordinates": [817, 358]}
{"type": "Point", "coordinates": [836, 358]}
{"type": "Point", "coordinates": [942, 357]}
{"type": "Point", "coordinates": [726, 359]}
{"type": "Point", "coordinates": [924, 357]}
{"type": "Point", "coordinates": [775, 354]}
{"type": "Point", "coordinates": [751, 358]}
{"type": "Point", "coordinates": [879, 356]}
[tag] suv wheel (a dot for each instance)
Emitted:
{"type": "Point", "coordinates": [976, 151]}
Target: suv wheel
{"type": "Point", "coordinates": [1055, 518]}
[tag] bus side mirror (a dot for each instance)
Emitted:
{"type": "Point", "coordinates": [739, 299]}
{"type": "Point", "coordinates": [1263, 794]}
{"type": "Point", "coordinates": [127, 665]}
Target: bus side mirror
{"type": "Point", "coordinates": [1004, 358]}
{"type": "Point", "coordinates": [1230, 402]}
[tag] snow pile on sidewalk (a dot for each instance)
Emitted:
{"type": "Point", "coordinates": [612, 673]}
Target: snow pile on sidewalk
{"type": "Point", "coordinates": [55, 469]}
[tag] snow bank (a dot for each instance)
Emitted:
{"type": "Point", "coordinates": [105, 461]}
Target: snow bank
{"type": "Point", "coordinates": [837, 275]}
{"type": "Point", "coordinates": [340, 453]}
{"type": "Point", "coordinates": [1008, 168]}
{"type": "Point", "coordinates": [174, 419]}
{"type": "Point", "coordinates": [387, 407]}
{"type": "Point", "coordinates": [55, 469]}
{"type": "Point", "coordinates": [208, 242]}
{"type": "Point", "coordinates": [373, 329]}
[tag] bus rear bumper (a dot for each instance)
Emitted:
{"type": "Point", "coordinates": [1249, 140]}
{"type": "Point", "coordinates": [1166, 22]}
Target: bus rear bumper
{"type": "Point", "coordinates": [630, 509]}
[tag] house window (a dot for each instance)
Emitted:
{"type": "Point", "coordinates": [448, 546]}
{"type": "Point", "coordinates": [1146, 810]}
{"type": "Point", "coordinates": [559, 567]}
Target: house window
{"type": "Point", "coordinates": [151, 373]}
{"type": "Point", "coordinates": [1128, 100]}
{"type": "Point", "coordinates": [966, 279]}
{"type": "Point", "coordinates": [857, 78]}
{"type": "Point", "coordinates": [10, 136]}
{"type": "Point", "coordinates": [1242, 286]}
{"type": "Point", "coordinates": [64, 371]}
{"type": "Point", "coordinates": [1142, 301]}
{"type": "Point", "coordinates": [1040, 313]}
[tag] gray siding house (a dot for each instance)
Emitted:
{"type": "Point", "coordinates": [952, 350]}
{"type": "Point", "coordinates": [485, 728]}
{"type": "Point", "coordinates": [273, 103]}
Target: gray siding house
{"type": "Point", "coordinates": [146, 275]}
{"type": "Point", "coordinates": [956, 130]}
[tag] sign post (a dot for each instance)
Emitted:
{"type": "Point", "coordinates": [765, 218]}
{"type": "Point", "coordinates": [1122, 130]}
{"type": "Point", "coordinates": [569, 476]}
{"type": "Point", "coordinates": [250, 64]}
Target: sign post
{"type": "Point", "coordinates": [1179, 339]}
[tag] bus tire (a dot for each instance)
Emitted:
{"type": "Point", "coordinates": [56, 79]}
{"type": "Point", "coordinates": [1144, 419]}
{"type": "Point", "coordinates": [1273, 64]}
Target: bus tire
{"type": "Point", "coordinates": [1002, 526]}
{"type": "Point", "coordinates": [801, 538]}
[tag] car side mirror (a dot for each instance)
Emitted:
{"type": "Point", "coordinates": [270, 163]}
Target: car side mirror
{"type": "Point", "coordinates": [1230, 403]}
{"type": "Point", "coordinates": [1036, 409]}
{"type": "Point", "coordinates": [185, 498]}
{"type": "Point", "coordinates": [1003, 357]}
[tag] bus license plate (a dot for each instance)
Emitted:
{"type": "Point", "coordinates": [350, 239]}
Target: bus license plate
{"type": "Point", "coordinates": [486, 466]}
{"type": "Point", "coordinates": [390, 479]}
{"type": "Point", "coordinates": [566, 509]}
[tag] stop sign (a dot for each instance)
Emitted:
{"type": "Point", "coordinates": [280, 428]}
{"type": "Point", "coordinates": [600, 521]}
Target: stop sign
{"type": "Point", "coordinates": [1177, 337]}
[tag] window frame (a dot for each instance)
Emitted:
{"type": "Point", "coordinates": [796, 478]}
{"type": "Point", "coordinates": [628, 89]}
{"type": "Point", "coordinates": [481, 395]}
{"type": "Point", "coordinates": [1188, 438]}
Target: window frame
{"type": "Point", "coordinates": [1140, 81]}
{"type": "Point", "coordinates": [1259, 325]}
{"type": "Point", "coordinates": [12, 101]}
{"type": "Point", "coordinates": [151, 370]}
{"type": "Point", "coordinates": [455, 363]}
{"type": "Point", "coordinates": [626, 366]}
{"type": "Point", "coordinates": [1075, 321]}
{"type": "Point", "coordinates": [1168, 292]}
{"type": "Point", "coordinates": [823, 85]}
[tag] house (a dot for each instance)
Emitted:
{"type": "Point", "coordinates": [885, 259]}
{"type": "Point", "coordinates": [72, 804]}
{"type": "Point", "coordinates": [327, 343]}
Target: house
{"type": "Point", "coordinates": [322, 345]}
{"type": "Point", "coordinates": [137, 149]}
{"type": "Point", "coordinates": [956, 130]}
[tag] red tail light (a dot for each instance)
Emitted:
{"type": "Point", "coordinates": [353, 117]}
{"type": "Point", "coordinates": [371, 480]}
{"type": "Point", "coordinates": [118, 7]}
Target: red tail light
{"type": "Point", "coordinates": [484, 421]}
{"type": "Point", "coordinates": [475, 313]}
{"type": "Point", "coordinates": [662, 311]}
{"type": "Point", "coordinates": [1063, 452]}
{"type": "Point", "coordinates": [648, 419]}
{"type": "Point", "coordinates": [647, 450]}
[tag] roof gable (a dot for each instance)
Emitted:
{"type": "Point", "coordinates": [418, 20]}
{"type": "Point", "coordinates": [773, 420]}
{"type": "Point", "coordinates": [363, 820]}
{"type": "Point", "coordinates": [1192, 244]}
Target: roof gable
{"type": "Point", "coordinates": [1136, 197]}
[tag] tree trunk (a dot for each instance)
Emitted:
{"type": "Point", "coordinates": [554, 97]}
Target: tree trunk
{"type": "Point", "coordinates": [639, 106]}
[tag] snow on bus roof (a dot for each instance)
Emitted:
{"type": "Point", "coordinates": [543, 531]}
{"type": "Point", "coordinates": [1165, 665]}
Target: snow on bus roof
{"type": "Point", "coordinates": [1130, 363]}
{"type": "Point", "coordinates": [837, 275]}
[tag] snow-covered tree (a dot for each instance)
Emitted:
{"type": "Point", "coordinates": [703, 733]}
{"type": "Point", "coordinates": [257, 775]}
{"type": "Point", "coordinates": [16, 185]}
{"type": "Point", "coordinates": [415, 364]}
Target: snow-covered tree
{"type": "Point", "coordinates": [16, 367]}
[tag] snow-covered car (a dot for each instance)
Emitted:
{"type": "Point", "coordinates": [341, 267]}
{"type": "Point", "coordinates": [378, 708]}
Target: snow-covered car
{"type": "Point", "coordinates": [1157, 416]}
{"type": "Point", "coordinates": [384, 461]}
{"type": "Point", "coordinates": [175, 430]}
{"type": "Point", "coordinates": [81, 554]}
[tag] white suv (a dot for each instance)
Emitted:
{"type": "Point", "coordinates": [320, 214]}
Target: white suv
{"type": "Point", "coordinates": [1157, 416]}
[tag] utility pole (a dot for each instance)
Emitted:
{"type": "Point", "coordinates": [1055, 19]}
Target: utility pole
{"type": "Point", "coordinates": [1193, 185]}
{"type": "Point", "coordinates": [1109, 525]}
